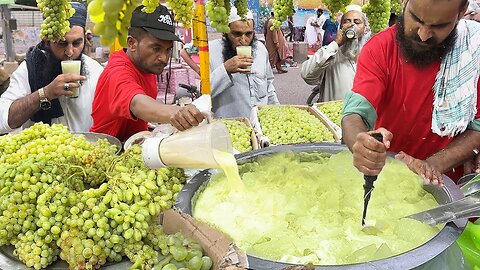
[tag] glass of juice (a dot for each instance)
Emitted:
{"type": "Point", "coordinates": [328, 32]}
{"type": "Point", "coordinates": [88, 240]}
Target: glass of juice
{"type": "Point", "coordinates": [245, 51]}
{"type": "Point", "coordinates": [72, 67]}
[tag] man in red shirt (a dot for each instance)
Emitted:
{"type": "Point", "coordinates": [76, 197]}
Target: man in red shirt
{"type": "Point", "coordinates": [125, 98]}
{"type": "Point", "coordinates": [395, 93]}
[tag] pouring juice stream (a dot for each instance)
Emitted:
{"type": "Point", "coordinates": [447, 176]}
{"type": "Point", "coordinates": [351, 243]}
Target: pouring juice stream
{"type": "Point", "coordinates": [228, 164]}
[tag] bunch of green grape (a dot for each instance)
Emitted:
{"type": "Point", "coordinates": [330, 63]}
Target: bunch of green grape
{"type": "Point", "coordinates": [112, 19]}
{"type": "Point", "coordinates": [218, 11]}
{"type": "Point", "coordinates": [378, 14]}
{"type": "Point", "coordinates": [240, 134]}
{"type": "Point", "coordinates": [150, 5]}
{"type": "Point", "coordinates": [287, 125]}
{"type": "Point", "coordinates": [183, 10]}
{"type": "Point", "coordinates": [46, 211]}
{"type": "Point", "coordinates": [281, 10]}
{"type": "Point", "coordinates": [333, 111]}
{"type": "Point", "coordinates": [56, 14]}
{"type": "Point", "coordinates": [242, 8]}
{"type": "Point", "coordinates": [397, 6]}
{"type": "Point", "coordinates": [336, 6]}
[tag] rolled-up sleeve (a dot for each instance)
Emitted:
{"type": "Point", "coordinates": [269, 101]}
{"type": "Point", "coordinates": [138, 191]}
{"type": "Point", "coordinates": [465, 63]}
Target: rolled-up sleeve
{"type": "Point", "coordinates": [18, 88]}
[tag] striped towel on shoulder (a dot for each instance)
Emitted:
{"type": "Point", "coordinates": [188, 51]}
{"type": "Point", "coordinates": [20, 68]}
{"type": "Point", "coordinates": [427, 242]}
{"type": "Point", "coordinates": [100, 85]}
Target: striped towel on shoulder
{"type": "Point", "coordinates": [455, 88]}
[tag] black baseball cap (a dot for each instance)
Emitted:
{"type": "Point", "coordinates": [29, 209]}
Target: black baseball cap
{"type": "Point", "coordinates": [158, 23]}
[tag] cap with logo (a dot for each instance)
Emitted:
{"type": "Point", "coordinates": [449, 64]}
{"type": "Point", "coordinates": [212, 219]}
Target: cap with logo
{"type": "Point", "coordinates": [158, 23]}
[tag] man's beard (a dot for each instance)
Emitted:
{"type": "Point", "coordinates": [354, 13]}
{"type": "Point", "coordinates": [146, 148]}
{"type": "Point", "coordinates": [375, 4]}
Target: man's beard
{"type": "Point", "coordinates": [229, 51]}
{"type": "Point", "coordinates": [351, 49]}
{"type": "Point", "coordinates": [426, 57]}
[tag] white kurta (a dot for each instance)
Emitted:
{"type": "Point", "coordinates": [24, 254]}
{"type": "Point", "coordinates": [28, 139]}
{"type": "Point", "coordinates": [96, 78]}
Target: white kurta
{"type": "Point", "coordinates": [77, 111]}
{"type": "Point", "coordinates": [311, 34]}
{"type": "Point", "coordinates": [234, 95]}
{"type": "Point", "coordinates": [330, 64]}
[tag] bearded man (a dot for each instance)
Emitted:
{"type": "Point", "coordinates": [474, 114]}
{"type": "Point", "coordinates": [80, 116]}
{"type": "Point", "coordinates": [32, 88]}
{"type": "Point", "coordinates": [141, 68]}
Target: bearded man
{"type": "Point", "coordinates": [39, 92]}
{"type": "Point", "coordinates": [333, 66]}
{"type": "Point", "coordinates": [417, 84]}
{"type": "Point", "coordinates": [239, 82]}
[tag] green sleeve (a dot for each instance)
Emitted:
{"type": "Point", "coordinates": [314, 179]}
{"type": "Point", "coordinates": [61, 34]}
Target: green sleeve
{"type": "Point", "coordinates": [475, 125]}
{"type": "Point", "coordinates": [356, 104]}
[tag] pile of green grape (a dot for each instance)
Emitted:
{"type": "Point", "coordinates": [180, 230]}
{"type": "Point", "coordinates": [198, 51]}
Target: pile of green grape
{"type": "Point", "coordinates": [62, 196]}
{"type": "Point", "coordinates": [218, 11]}
{"type": "Point", "coordinates": [183, 10]}
{"type": "Point", "coordinates": [240, 134]}
{"type": "Point", "coordinates": [378, 14]}
{"type": "Point", "coordinates": [56, 14]}
{"type": "Point", "coordinates": [333, 111]}
{"type": "Point", "coordinates": [281, 9]}
{"type": "Point", "coordinates": [288, 125]}
{"type": "Point", "coordinates": [112, 18]}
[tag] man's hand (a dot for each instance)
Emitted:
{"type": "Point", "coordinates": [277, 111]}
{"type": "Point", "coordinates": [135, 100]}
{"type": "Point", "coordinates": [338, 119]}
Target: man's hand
{"type": "Point", "coordinates": [472, 166]}
{"type": "Point", "coordinates": [183, 118]}
{"type": "Point", "coordinates": [340, 38]}
{"type": "Point", "coordinates": [238, 64]}
{"type": "Point", "coordinates": [57, 87]}
{"type": "Point", "coordinates": [429, 174]}
{"type": "Point", "coordinates": [369, 155]}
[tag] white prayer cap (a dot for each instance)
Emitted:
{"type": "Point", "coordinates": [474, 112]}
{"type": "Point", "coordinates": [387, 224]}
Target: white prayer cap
{"type": "Point", "coordinates": [235, 17]}
{"type": "Point", "coordinates": [353, 7]}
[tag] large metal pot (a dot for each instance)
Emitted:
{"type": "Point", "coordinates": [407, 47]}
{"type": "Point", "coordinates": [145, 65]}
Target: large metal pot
{"type": "Point", "coordinates": [408, 260]}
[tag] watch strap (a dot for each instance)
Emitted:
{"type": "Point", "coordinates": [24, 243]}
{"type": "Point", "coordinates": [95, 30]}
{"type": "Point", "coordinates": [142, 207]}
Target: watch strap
{"type": "Point", "coordinates": [42, 95]}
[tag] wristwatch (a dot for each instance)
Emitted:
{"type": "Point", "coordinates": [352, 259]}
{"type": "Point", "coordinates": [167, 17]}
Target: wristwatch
{"type": "Point", "coordinates": [44, 102]}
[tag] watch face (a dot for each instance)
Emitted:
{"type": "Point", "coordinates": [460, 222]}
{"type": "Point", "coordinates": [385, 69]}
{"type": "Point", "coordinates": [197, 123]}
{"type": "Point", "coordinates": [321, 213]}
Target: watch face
{"type": "Point", "coordinates": [45, 105]}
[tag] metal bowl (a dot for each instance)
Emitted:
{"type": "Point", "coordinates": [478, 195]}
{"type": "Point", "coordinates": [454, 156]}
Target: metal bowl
{"type": "Point", "coordinates": [94, 137]}
{"type": "Point", "coordinates": [408, 260]}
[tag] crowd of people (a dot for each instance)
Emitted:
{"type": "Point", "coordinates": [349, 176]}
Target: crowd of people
{"type": "Point", "coordinates": [416, 82]}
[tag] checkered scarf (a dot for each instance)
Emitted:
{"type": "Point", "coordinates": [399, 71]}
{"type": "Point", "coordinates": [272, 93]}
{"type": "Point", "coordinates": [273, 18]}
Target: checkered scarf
{"type": "Point", "coordinates": [455, 102]}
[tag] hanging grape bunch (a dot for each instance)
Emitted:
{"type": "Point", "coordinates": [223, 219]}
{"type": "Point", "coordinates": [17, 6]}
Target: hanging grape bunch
{"type": "Point", "coordinates": [56, 14]}
{"type": "Point", "coordinates": [218, 11]}
{"type": "Point", "coordinates": [183, 10]}
{"type": "Point", "coordinates": [150, 5]}
{"type": "Point", "coordinates": [281, 10]}
{"type": "Point", "coordinates": [112, 19]}
{"type": "Point", "coordinates": [378, 14]}
{"type": "Point", "coordinates": [397, 6]}
{"type": "Point", "coordinates": [336, 6]}
{"type": "Point", "coordinates": [46, 212]}
{"type": "Point", "coordinates": [242, 9]}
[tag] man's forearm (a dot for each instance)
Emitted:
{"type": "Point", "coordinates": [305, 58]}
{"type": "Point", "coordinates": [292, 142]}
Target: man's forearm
{"type": "Point", "coordinates": [149, 110]}
{"type": "Point", "coordinates": [460, 150]}
{"type": "Point", "coordinates": [352, 125]}
{"type": "Point", "coordinates": [22, 109]}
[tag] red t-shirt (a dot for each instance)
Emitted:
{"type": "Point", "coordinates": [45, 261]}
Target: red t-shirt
{"type": "Point", "coordinates": [120, 81]}
{"type": "Point", "coordinates": [402, 95]}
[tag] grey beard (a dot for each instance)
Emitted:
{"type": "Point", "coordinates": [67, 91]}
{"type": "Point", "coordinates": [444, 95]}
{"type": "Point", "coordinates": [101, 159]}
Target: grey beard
{"type": "Point", "coordinates": [351, 49]}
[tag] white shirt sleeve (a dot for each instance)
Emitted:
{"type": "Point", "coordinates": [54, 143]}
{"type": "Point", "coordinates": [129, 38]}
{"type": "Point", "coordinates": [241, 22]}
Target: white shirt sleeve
{"type": "Point", "coordinates": [19, 87]}
{"type": "Point", "coordinates": [313, 69]}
